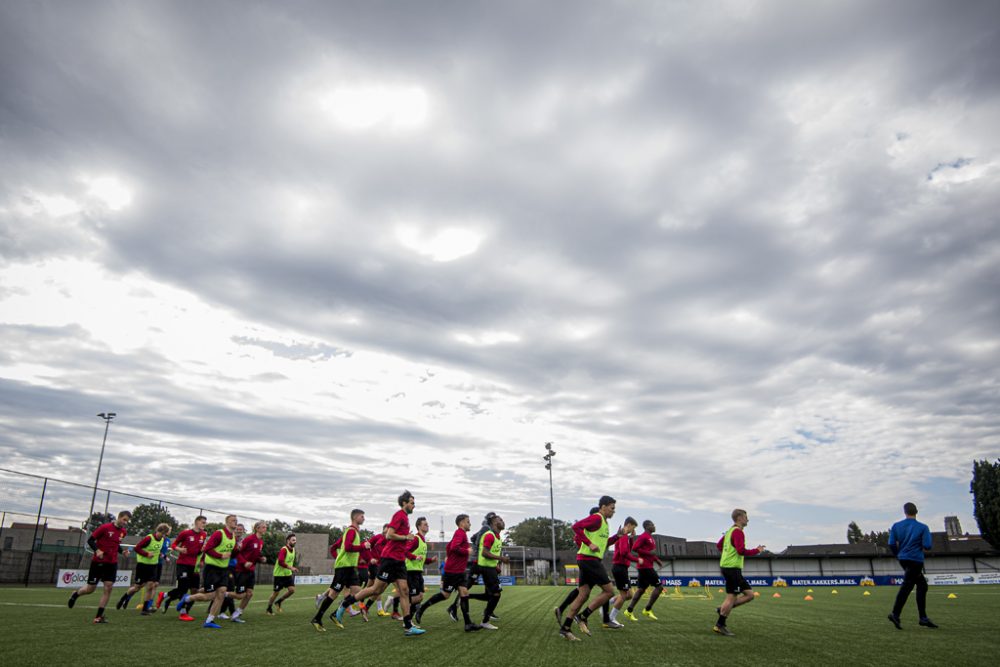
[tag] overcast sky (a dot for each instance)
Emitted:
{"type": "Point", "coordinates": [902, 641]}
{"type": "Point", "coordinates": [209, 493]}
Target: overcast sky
{"type": "Point", "coordinates": [720, 254]}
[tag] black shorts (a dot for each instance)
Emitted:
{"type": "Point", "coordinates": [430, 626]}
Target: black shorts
{"type": "Point", "coordinates": [286, 581]}
{"type": "Point", "coordinates": [592, 573]}
{"type": "Point", "coordinates": [364, 573]}
{"type": "Point", "coordinates": [159, 571]}
{"type": "Point", "coordinates": [188, 577]}
{"type": "Point", "coordinates": [145, 572]}
{"type": "Point", "coordinates": [648, 578]}
{"type": "Point", "coordinates": [620, 573]}
{"type": "Point", "coordinates": [215, 578]}
{"type": "Point", "coordinates": [245, 580]}
{"type": "Point", "coordinates": [491, 580]}
{"type": "Point", "coordinates": [735, 583]}
{"type": "Point", "coordinates": [415, 582]}
{"type": "Point", "coordinates": [450, 581]}
{"type": "Point", "coordinates": [344, 577]}
{"type": "Point", "coordinates": [391, 570]}
{"type": "Point", "coordinates": [101, 572]}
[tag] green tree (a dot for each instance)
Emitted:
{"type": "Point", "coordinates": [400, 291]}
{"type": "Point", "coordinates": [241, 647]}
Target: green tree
{"type": "Point", "coordinates": [97, 519]}
{"type": "Point", "coordinates": [274, 539]}
{"type": "Point", "coordinates": [854, 534]}
{"type": "Point", "coordinates": [304, 527]}
{"type": "Point", "coordinates": [537, 532]}
{"type": "Point", "coordinates": [146, 517]}
{"type": "Point", "coordinates": [878, 538]}
{"type": "Point", "coordinates": [985, 489]}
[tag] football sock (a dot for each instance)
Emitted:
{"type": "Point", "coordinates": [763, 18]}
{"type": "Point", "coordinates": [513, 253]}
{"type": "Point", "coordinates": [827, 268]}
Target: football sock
{"type": "Point", "coordinates": [490, 607]}
{"type": "Point", "coordinates": [721, 622]}
{"type": "Point", "coordinates": [348, 601]}
{"type": "Point", "coordinates": [569, 600]}
{"type": "Point", "coordinates": [326, 604]}
{"type": "Point", "coordinates": [586, 614]}
{"type": "Point", "coordinates": [464, 603]}
{"type": "Point", "coordinates": [395, 605]}
{"type": "Point", "coordinates": [100, 612]}
{"type": "Point", "coordinates": [614, 614]}
{"type": "Point", "coordinates": [408, 621]}
{"type": "Point", "coordinates": [434, 599]}
{"type": "Point", "coordinates": [605, 614]}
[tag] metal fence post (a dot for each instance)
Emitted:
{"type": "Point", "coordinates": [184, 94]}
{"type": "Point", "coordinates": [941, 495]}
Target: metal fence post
{"type": "Point", "coordinates": [31, 554]}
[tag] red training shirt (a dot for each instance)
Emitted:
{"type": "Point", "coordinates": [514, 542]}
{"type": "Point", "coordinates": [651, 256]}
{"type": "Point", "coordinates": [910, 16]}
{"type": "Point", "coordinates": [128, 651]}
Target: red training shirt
{"type": "Point", "coordinates": [623, 552]}
{"type": "Point", "coordinates": [396, 549]}
{"type": "Point", "coordinates": [457, 553]}
{"type": "Point", "coordinates": [108, 538]}
{"type": "Point", "coordinates": [249, 553]}
{"type": "Point", "coordinates": [192, 541]}
{"type": "Point", "coordinates": [376, 543]}
{"type": "Point", "coordinates": [645, 546]}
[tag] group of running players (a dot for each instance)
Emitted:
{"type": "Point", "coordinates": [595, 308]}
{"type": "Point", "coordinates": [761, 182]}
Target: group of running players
{"type": "Point", "coordinates": [365, 567]}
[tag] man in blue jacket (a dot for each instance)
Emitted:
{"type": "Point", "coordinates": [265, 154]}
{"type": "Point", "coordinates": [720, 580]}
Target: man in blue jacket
{"type": "Point", "coordinates": [909, 539]}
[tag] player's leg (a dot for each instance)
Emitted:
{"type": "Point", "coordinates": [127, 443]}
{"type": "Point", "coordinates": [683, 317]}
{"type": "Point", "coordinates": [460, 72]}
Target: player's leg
{"type": "Point", "coordinates": [289, 592]}
{"type": "Point", "coordinates": [492, 583]}
{"type": "Point", "coordinates": [80, 592]}
{"type": "Point", "coordinates": [327, 601]}
{"type": "Point", "coordinates": [654, 596]}
{"type": "Point", "coordinates": [636, 596]}
{"type": "Point", "coordinates": [583, 592]}
{"type": "Point", "coordinates": [403, 591]}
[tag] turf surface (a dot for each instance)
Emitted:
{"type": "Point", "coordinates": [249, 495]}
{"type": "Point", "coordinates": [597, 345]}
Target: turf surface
{"type": "Point", "coordinates": [847, 628]}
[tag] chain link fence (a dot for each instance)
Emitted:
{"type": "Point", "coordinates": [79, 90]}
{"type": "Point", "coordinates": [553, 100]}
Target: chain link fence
{"type": "Point", "coordinates": [45, 522]}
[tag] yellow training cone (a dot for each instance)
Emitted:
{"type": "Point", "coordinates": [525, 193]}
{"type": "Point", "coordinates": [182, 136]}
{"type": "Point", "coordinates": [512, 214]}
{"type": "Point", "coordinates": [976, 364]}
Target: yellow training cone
{"type": "Point", "coordinates": [721, 591]}
{"type": "Point", "coordinates": [833, 592]}
{"type": "Point", "coordinates": [952, 596]}
{"type": "Point", "coordinates": [776, 595]}
{"type": "Point", "coordinates": [866, 593]}
{"type": "Point", "coordinates": [756, 594]}
{"type": "Point", "coordinates": [809, 591]}
{"type": "Point", "coordinates": [808, 597]}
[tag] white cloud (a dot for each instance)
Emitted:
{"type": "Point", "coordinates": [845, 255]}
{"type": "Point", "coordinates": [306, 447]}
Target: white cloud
{"type": "Point", "coordinates": [758, 251]}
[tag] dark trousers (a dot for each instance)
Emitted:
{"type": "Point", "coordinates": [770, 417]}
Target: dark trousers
{"type": "Point", "coordinates": [914, 576]}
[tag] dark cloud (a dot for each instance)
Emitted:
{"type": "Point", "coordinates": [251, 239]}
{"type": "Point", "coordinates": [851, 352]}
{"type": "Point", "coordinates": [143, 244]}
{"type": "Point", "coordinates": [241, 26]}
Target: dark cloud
{"type": "Point", "coordinates": [704, 233]}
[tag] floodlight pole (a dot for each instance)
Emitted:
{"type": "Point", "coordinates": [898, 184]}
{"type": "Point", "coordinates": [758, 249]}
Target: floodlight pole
{"type": "Point", "coordinates": [107, 417]}
{"type": "Point", "coordinates": [552, 509]}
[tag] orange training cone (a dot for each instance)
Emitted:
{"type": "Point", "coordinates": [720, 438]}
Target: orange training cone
{"type": "Point", "coordinates": [776, 595]}
{"type": "Point", "coordinates": [808, 597]}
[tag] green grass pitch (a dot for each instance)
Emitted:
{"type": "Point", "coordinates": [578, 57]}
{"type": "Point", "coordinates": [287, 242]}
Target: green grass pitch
{"type": "Point", "coordinates": [846, 628]}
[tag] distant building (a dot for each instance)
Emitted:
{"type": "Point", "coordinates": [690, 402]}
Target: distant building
{"type": "Point", "coordinates": [18, 537]}
{"type": "Point", "coordinates": [952, 527]}
{"type": "Point", "coordinates": [312, 551]}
